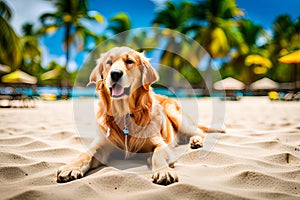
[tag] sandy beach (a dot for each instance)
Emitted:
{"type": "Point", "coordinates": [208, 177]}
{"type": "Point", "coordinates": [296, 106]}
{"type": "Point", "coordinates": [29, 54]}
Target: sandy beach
{"type": "Point", "coordinates": [258, 157]}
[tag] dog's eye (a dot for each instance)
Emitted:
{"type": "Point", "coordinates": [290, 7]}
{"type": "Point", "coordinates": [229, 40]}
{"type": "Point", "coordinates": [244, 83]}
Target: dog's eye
{"type": "Point", "coordinates": [129, 62]}
{"type": "Point", "coordinates": [109, 62]}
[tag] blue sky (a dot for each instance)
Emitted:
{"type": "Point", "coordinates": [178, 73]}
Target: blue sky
{"type": "Point", "coordinates": [141, 12]}
{"type": "Point", "coordinates": [264, 12]}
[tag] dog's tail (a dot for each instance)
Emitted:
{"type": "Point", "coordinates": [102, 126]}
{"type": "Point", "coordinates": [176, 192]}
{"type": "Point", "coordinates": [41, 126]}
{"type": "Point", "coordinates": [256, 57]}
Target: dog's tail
{"type": "Point", "coordinates": [211, 130]}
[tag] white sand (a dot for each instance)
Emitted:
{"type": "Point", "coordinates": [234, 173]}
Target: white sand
{"type": "Point", "coordinates": [258, 157]}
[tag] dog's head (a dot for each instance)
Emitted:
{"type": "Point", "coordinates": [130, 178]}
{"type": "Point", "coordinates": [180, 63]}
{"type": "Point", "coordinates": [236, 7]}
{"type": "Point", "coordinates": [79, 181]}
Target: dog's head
{"type": "Point", "coordinates": [123, 71]}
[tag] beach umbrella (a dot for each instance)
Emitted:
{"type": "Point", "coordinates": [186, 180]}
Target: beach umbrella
{"type": "Point", "coordinates": [264, 84]}
{"type": "Point", "coordinates": [4, 69]}
{"type": "Point", "coordinates": [229, 84]}
{"type": "Point", "coordinates": [292, 58]}
{"type": "Point", "coordinates": [52, 74]}
{"type": "Point", "coordinates": [19, 76]}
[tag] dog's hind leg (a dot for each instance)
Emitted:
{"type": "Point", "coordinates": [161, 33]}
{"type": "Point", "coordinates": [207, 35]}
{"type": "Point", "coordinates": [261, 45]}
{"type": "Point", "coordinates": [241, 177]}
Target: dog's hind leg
{"type": "Point", "coordinates": [184, 124]}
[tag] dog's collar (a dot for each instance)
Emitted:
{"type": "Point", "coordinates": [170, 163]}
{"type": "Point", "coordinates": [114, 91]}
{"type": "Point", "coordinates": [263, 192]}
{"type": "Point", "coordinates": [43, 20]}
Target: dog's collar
{"type": "Point", "coordinates": [129, 115]}
{"type": "Point", "coordinates": [125, 130]}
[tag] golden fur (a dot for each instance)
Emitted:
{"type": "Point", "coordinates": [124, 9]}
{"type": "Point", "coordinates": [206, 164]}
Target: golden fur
{"type": "Point", "coordinates": [152, 120]}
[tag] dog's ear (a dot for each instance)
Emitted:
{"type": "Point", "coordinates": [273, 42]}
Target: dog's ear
{"type": "Point", "coordinates": [96, 74]}
{"type": "Point", "coordinates": [149, 74]}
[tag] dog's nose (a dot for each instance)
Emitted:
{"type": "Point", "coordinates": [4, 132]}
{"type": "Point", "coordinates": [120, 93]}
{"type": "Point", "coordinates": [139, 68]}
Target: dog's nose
{"type": "Point", "coordinates": [116, 75]}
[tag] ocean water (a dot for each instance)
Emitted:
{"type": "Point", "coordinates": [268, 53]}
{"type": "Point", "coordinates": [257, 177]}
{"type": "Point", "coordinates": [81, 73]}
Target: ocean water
{"type": "Point", "coordinates": [77, 92]}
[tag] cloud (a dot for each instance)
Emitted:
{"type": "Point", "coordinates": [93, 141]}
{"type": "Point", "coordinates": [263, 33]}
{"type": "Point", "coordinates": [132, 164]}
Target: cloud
{"type": "Point", "coordinates": [160, 4]}
{"type": "Point", "coordinates": [94, 25]}
{"type": "Point", "coordinates": [28, 11]}
{"type": "Point", "coordinates": [97, 26]}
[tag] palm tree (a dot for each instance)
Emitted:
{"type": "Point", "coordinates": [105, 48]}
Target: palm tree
{"type": "Point", "coordinates": [285, 40]}
{"type": "Point", "coordinates": [285, 31]}
{"type": "Point", "coordinates": [120, 23]}
{"type": "Point", "coordinates": [67, 16]}
{"type": "Point", "coordinates": [253, 60]}
{"type": "Point", "coordinates": [216, 29]}
{"type": "Point", "coordinates": [175, 19]}
{"type": "Point", "coordinates": [10, 45]}
{"type": "Point", "coordinates": [218, 26]}
{"type": "Point", "coordinates": [31, 50]}
{"type": "Point", "coordinates": [174, 16]}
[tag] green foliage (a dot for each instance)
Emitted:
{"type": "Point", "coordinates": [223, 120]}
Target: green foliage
{"type": "Point", "coordinates": [252, 60]}
{"type": "Point", "coordinates": [10, 45]}
{"type": "Point", "coordinates": [220, 31]}
{"type": "Point", "coordinates": [143, 41]}
{"type": "Point", "coordinates": [286, 35]}
{"type": "Point", "coordinates": [31, 51]}
{"type": "Point", "coordinates": [192, 75]}
{"type": "Point", "coordinates": [120, 23]}
{"type": "Point", "coordinates": [19, 52]}
{"type": "Point", "coordinates": [286, 39]}
{"type": "Point", "coordinates": [175, 17]}
{"type": "Point", "coordinates": [57, 75]}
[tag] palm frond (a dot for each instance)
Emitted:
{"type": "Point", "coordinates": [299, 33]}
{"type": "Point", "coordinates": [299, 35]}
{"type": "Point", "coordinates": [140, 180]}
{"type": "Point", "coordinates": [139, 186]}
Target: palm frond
{"type": "Point", "coordinates": [10, 47]}
{"type": "Point", "coordinates": [120, 23]}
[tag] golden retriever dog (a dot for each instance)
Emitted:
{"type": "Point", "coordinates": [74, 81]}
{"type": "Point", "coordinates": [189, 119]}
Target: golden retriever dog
{"type": "Point", "coordinates": [133, 118]}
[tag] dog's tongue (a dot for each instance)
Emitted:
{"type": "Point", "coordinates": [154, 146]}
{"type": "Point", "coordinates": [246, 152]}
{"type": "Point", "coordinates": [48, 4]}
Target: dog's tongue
{"type": "Point", "coordinates": [117, 90]}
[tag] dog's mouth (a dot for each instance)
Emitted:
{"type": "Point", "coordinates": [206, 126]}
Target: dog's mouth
{"type": "Point", "coordinates": [118, 91]}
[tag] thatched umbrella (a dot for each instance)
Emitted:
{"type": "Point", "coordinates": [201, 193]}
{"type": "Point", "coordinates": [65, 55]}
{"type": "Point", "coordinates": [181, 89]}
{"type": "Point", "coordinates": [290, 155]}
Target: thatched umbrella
{"type": "Point", "coordinates": [229, 84]}
{"type": "Point", "coordinates": [264, 84]}
{"type": "Point", "coordinates": [52, 74]}
{"type": "Point", "coordinates": [292, 58]}
{"type": "Point", "coordinates": [20, 77]}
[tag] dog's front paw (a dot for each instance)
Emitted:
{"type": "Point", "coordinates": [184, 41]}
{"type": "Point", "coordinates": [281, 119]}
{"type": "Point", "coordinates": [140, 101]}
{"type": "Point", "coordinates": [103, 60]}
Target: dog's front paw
{"type": "Point", "coordinates": [196, 142]}
{"type": "Point", "coordinates": [68, 173]}
{"type": "Point", "coordinates": [165, 177]}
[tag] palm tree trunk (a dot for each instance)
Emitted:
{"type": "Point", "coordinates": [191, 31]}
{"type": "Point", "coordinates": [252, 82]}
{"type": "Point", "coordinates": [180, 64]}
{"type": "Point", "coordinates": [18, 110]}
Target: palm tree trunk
{"type": "Point", "coordinates": [208, 78]}
{"type": "Point", "coordinates": [65, 81]}
{"type": "Point", "coordinates": [296, 77]}
{"type": "Point", "coordinates": [67, 43]}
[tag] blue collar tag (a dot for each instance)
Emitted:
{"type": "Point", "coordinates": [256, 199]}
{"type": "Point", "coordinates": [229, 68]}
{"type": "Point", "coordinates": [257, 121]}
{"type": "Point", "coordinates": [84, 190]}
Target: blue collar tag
{"type": "Point", "coordinates": [125, 131]}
